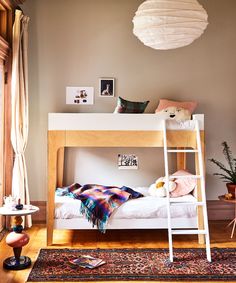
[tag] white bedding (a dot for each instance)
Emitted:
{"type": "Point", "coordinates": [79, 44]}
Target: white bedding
{"type": "Point", "coordinates": [145, 207]}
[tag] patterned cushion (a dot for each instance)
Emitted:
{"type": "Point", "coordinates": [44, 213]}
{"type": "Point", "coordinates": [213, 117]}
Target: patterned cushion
{"type": "Point", "coordinates": [165, 103]}
{"type": "Point", "coordinates": [125, 106]}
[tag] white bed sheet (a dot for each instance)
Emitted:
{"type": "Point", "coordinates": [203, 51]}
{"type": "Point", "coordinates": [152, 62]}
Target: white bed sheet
{"type": "Point", "coordinates": [145, 207]}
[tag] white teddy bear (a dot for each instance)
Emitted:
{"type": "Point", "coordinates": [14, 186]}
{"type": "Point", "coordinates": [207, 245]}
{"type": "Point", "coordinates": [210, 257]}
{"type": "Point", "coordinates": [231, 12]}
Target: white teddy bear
{"type": "Point", "coordinates": [158, 189]}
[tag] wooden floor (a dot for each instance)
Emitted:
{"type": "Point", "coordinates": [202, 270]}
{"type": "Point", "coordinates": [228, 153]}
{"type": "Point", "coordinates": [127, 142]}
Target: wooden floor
{"type": "Point", "coordinates": [220, 237]}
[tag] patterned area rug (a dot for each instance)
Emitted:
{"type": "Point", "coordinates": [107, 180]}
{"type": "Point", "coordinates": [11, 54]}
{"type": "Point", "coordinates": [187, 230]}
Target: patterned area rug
{"type": "Point", "coordinates": [136, 264]}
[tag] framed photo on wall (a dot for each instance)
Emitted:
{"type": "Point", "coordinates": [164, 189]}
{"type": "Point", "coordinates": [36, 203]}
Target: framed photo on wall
{"type": "Point", "coordinates": [79, 95]}
{"type": "Point", "coordinates": [127, 161]}
{"type": "Point", "coordinates": [107, 87]}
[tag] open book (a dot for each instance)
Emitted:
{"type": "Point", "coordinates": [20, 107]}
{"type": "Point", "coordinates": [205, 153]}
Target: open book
{"type": "Point", "coordinates": [87, 261]}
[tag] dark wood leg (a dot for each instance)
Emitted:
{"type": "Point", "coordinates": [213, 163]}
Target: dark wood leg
{"type": "Point", "coordinates": [17, 253]}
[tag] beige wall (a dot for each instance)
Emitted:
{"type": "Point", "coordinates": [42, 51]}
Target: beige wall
{"type": "Point", "coordinates": [74, 42]}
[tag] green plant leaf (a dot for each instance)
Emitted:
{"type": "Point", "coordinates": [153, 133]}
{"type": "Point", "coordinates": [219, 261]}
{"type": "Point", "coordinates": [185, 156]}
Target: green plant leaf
{"type": "Point", "coordinates": [228, 156]}
{"type": "Point", "coordinates": [231, 171]}
{"type": "Point", "coordinates": [221, 166]}
{"type": "Point", "coordinates": [223, 177]}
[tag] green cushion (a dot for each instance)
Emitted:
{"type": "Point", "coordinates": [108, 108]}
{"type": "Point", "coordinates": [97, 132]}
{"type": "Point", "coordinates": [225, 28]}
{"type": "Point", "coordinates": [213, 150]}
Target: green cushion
{"type": "Point", "coordinates": [125, 106]}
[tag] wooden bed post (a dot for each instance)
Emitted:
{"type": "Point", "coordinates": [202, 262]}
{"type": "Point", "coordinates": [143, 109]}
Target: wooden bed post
{"type": "Point", "coordinates": [181, 160]}
{"type": "Point", "coordinates": [60, 166]}
{"type": "Point", "coordinates": [201, 238]}
{"type": "Point", "coordinates": [56, 140]}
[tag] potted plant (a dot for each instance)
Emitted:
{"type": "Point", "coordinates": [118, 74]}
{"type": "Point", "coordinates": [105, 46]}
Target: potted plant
{"type": "Point", "coordinates": [229, 174]}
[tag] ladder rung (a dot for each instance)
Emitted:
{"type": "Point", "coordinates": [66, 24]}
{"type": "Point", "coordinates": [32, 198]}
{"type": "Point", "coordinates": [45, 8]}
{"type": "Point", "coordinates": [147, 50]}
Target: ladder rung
{"type": "Point", "coordinates": [182, 150]}
{"type": "Point", "coordinates": [185, 202]}
{"type": "Point", "coordinates": [185, 176]}
{"type": "Point", "coordinates": [188, 232]}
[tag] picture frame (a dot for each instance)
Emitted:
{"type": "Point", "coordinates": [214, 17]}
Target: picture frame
{"type": "Point", "coordinates": [107, 87]}
{"type": "Point", "coordinates": [80, 95]}
{"type": "Point", "coordinates": [127, 161]}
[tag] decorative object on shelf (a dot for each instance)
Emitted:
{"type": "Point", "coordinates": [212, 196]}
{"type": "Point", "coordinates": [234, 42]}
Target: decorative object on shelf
{"type": "Point", "coordinates": [107, 87]}
{"type": "Point", "coordinates": [19, 206]}
{"type": "Point", "coordinates": [79, 95]}
{"type": "Point", "coordinates": [10, 202]}
{"type": "Point", "coordinates": [231, 188]}
{"type": "Point", "coordinates": [165, 24]}
{"type": "Point", "coordinates": [228, 196]}
{"type": "Point", "coordinates": [17, 239]}
{"type": "Point", "coordinates": [229, 174]}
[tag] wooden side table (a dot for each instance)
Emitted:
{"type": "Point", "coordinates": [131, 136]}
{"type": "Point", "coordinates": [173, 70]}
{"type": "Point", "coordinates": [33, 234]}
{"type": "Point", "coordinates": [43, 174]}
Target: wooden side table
{"type": "Point", "coordinates": [233, 222]}
{"type": "Point", "coordinates": [17, 239]}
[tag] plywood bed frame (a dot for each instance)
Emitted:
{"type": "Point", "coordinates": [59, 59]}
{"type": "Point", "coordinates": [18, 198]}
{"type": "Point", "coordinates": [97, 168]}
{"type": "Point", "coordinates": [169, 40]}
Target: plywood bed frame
{"type": "Point", "coordinates": [112, 130]}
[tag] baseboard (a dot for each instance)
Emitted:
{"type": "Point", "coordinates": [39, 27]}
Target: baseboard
{"type": "Point", "coordinates": [217, 210]}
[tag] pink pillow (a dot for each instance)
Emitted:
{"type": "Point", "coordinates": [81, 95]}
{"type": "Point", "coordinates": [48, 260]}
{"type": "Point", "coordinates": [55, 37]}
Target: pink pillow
{"type": "Point", "coordinates": [184, 186]}
{"type": "Point", "coordinates": [164, 103]}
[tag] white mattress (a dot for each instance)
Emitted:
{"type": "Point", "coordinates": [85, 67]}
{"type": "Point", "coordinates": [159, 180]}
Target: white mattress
{"type": "Point", "coordinates": [145, 207]}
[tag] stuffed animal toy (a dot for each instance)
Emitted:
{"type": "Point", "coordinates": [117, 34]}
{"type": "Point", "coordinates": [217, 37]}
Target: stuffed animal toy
{"type": "Point", "coordinates": [176, 113]}
{"type": "Point", "coordinates": [158, 189]}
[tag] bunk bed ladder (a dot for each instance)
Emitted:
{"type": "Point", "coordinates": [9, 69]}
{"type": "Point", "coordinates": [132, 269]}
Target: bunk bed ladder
{"type": "Point", "coordinates": [202, 203]}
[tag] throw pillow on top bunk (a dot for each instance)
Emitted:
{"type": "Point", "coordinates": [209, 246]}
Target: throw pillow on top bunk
{"type": "Point", "coordinates": [176, 110]}
{"type": "Point", "coordinates": [126, 106]}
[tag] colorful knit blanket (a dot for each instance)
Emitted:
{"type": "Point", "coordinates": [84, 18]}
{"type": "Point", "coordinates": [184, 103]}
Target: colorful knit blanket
{"type": "Point", "coordinates": [97, 201]}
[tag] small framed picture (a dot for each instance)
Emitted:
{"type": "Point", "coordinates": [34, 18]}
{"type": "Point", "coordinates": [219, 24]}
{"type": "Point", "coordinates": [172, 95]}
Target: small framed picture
{"type": "Point", "coordinates": [127, 161]}
{"type": "Point", "coordinates": [107, 87]}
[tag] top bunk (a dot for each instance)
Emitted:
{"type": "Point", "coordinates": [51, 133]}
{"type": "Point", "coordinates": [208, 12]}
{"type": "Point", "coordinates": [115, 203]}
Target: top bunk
{"type": "Point", "coordinates": [117, 122]}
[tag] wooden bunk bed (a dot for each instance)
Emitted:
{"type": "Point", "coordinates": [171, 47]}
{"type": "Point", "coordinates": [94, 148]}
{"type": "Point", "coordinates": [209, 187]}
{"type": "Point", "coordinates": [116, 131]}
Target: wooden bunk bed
{"type": "Point", "coordinates": [113, 130]}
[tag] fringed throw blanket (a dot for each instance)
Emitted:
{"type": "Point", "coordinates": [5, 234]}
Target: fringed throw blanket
{"type": "Point", "coordinates": [97, 201]}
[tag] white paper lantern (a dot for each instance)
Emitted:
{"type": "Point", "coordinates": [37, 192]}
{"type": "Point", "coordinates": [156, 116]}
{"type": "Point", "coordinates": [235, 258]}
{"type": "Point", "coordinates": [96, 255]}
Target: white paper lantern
{"type": "Point", "coordinates": [169, 24]}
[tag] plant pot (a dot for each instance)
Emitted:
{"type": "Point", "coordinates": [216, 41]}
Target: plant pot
{"type": "Point", "coordinates": [231, 188]}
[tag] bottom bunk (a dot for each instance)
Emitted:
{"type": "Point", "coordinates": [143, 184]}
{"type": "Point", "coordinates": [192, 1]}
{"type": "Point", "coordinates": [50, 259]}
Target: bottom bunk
{"type": "Point", "coordinates": [148, 212]}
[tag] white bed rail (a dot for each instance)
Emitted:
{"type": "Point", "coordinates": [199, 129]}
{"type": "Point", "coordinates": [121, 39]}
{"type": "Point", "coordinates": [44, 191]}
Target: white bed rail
{"type": "Point", "coordinates": [115, 122]}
